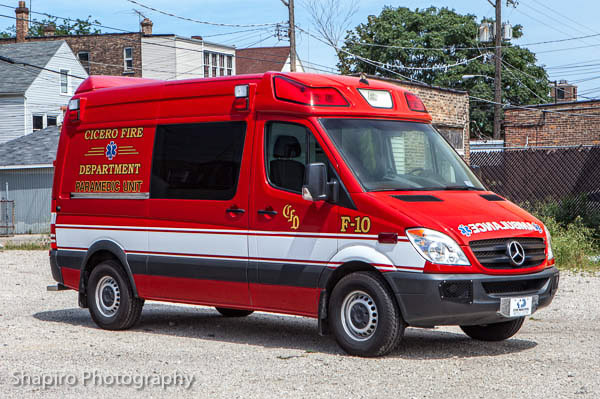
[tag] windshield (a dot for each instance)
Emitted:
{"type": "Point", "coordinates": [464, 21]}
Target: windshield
{"type": "Point", "coordinates": [393, 155]}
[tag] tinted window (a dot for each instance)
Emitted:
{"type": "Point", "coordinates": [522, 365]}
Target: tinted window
{"type": "Point", "coordinates": [289, 148]}
{"type": "Point", "coordinates": [197, 161]}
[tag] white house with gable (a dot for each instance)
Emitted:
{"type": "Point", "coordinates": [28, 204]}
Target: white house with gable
{"type": "Point", "coordinates": [37, 79]}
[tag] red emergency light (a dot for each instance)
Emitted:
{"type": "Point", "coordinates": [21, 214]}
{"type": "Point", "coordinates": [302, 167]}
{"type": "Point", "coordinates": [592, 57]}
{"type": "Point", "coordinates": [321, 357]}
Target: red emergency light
{"type": "Point", "coordinates": [296, 92]}
{"type": "Point", "coordinates": [414, 103]}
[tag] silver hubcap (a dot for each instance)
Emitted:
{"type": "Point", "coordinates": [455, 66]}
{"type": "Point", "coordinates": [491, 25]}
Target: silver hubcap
{"type": "Point", "coordinates": [359, 315]}
{"type": "Point", "coordinates": [108, 296]}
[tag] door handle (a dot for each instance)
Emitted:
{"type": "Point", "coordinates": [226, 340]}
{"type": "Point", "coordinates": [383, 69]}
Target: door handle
{"type": "Point", "coordinates": [236, 210]}
{"type": "Point", "coordinates": [271, 212]}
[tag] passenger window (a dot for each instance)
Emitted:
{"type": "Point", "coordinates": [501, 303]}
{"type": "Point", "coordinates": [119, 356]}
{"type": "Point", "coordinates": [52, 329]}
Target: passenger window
{"type": "Point", "coordinates": [197, 161]}
{"type": "Point", "coordinates": [289, 148]}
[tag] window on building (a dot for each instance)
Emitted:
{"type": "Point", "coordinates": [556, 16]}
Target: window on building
{"type": "Point", "coordinates": [128, 58]}
{"type": "Point", "coordinates": [64, 81]}
{"type": "Point", "coordinates": [217, 64]}
{"type": "Point", "coordinates": [197, 161]}
{"type": "Point", "coordinates": [560, 93]}
{"type": "Point", "coordinates": [229, 65]}
{"type": "Point", "coordinates": [51, 120]}
{"type": "Point", "coordinates": [84, 60]}
{"type": "Point", "coordinates": [221, 65]}
{"type": "Point", "coordinates": [213, 58]}
{"type": "Point", "coordinates": [38, 122]}
{"type": "Point", "coordinates": [206, 65]}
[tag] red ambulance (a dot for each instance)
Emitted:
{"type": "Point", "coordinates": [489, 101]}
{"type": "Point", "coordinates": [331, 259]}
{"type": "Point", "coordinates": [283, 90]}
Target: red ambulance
{"type": "Point", "coordinates": [323, 196]}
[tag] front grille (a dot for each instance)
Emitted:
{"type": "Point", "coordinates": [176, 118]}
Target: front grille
{"type": "Point", "coordinates": [515, 286]}
{"type": "Point", "coordinates": [493, 253]}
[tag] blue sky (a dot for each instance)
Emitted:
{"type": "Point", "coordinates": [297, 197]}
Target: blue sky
{"type": "Point", "coordinates": [542, 20]}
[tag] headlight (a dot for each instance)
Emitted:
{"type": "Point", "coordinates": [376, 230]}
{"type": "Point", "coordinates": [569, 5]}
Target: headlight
{"type": "Point", "coordinates": [549, 242]}
{"type": "Point", "coordinates": [437, 247]}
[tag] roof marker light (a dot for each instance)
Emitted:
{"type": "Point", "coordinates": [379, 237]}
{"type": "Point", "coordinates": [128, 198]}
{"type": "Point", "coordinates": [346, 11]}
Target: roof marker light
{"type": "Point", "coordinates": [414, 103]}
{"type": "Point", "coordinates": [377, 98]}
{"type": "Point", "coordinates": [74, 104]}
{"type": "Point", "coordinates": [296, 92]}
{"type": "Point", "coordinates": [241, 91]}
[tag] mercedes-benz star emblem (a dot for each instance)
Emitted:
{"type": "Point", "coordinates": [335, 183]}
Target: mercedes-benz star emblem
{"type": "Point", "coordinates": [516, 253]}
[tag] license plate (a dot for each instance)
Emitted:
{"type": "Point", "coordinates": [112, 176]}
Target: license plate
{"type": "Point", "coordinates": [516, 306]}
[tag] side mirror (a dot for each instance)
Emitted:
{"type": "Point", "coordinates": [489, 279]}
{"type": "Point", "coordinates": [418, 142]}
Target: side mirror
{"type": "Point", "coordinates": [315, 182]}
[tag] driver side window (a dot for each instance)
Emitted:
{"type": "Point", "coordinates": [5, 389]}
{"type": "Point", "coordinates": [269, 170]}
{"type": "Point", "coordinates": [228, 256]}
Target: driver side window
{"type": "Point", "coordinates": [288, 149]}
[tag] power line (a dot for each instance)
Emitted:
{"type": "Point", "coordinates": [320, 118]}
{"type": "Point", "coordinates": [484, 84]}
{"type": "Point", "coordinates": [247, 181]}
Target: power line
{"type": "Point", "coordinates": [453, 48]}
{"type": "Point", "coordinates": [198, 21]}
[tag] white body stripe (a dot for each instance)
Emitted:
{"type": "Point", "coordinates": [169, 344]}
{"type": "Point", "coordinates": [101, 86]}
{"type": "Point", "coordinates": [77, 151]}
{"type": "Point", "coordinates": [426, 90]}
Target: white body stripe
{"type": "Point", "coordinates": [322, 249]}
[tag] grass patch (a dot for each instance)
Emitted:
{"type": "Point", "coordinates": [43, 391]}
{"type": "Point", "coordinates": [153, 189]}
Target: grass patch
{"type": "Point", "coordinates": [26, 246]}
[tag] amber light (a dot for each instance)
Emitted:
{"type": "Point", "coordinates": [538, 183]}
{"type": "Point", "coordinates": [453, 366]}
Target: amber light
{"type": "Point", "coordinates": [387, 238]}
{"type": "Point", "coordinates": [414, 103]}
{"type": "Point", "coordinates": [296, 92]}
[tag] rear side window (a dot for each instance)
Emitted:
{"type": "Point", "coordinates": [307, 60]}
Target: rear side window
{"type": "Point", "coordinates": [197, 161]}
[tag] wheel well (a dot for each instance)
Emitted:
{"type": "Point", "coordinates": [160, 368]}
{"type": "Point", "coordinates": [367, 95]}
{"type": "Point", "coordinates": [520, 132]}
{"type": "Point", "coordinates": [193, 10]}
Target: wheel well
{"type": "Point", "coordinates": [93, 261]}
{"type": "Point", "coordinates": [339, 273]}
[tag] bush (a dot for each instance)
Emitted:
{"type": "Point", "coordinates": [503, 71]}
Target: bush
{"type": "Point", "coordinates": [574, 245]}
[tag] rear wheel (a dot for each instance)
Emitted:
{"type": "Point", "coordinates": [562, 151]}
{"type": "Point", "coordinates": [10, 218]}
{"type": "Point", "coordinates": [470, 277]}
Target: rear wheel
{"type": "Point", "coordinates": [227, 312]}
{"type": "Point", "coordinates": [494, 332]}
{"type": "Point", "coordinates": [363, 315]}
{"type": "Point", "coordinates": [110, 296]}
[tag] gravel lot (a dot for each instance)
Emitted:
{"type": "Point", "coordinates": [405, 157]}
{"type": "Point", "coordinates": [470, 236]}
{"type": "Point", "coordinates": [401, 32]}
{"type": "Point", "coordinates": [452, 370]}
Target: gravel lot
{"type": "Point", "coordinates": [44, 334]}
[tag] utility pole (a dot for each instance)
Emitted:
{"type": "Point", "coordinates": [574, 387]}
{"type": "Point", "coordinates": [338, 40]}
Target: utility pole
{"type": "Point", "coordinates": [498, 75]}
{"type": "Point", "coordinates": [292, 33]}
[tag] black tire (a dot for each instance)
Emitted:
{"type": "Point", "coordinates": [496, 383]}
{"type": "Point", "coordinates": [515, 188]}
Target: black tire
{"type": "Point", "coordinates": [227, 312]}
{"type": "Point", "coordinates": [363, 315]}
{"type": "Point", "coordinates": [118, 309]}
{"type": "Point", "coordinates": [495, 331]}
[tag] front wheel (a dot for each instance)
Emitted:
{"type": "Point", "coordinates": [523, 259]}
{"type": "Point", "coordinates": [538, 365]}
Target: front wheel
{"type": "Point", "coordinates": [111, 300]}
{"type": "Point", "coordinates": [494, 332]}
{"type": "Point", "coordinates": [363, 315]}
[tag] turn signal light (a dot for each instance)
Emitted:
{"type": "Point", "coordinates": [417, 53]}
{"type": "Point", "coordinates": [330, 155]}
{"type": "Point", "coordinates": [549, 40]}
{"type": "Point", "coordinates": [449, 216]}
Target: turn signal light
{"type": "Point", "coordinates": [414, 103]}
{"type": "Point", "coordinates": [296, 92]}
{"type": "Point", "coordinates": [387, 238]}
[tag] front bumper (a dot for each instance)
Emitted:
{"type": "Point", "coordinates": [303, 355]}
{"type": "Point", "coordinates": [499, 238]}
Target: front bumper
{"type": "Point", "coordinates": [427, 300]}
{"type": "Point", "coordinates": [56, 273]}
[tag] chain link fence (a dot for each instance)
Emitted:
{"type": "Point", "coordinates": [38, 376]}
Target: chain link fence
{"type": "Point", "coordinates": [532, 175]}
{"type": "Point", "coordinates": [7, 218]}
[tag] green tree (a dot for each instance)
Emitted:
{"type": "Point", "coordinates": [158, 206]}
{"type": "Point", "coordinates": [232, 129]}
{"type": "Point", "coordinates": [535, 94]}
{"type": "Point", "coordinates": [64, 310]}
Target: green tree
{"type": "Point", "coordinates": [65, 28]}
{"type": "Point", "coordinates": [435, 37]}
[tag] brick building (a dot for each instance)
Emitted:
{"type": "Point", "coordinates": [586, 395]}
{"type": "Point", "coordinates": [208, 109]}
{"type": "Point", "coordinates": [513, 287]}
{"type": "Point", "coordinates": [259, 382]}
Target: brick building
{"type": "Point", "coordinates": [562, 124]}
{"type": "Point", "coordinates": [264, 59]}
{"type": "Point", "coordinates": [449, 109]}
{"type": "Point", "coordinates": [137, 54]}
{"type": "Point", "coordinates": [564, 92]}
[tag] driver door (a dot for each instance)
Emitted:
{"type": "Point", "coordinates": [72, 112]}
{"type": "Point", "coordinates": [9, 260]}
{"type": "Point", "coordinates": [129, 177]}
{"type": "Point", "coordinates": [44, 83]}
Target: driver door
{"type": "Point", "coordinates": [291, 239]}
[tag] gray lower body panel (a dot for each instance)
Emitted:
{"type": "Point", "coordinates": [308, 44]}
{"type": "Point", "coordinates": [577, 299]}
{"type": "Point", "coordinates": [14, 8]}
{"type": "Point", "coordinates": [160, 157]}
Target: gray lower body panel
{"type": "Point", "coordinates": [424, 302]}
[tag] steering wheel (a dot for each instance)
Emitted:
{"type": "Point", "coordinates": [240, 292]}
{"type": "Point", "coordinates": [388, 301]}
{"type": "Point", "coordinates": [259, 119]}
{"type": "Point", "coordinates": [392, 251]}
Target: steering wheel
{"type": "Point", "coordinates": [415, 170]}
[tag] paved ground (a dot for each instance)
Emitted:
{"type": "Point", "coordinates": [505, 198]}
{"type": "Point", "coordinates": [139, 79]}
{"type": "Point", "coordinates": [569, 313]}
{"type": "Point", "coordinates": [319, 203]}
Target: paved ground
{"type": "Point", "coordinates": [45, 338]}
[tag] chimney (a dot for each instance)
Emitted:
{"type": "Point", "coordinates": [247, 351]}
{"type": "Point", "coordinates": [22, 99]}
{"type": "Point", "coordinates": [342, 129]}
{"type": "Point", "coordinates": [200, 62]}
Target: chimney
{"type": "Point", "coordinates": [50, 29]}
{"type": "Point", "coordinates": [22, 13]}
{"type": "Point", "coordinates": [146, 25]}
